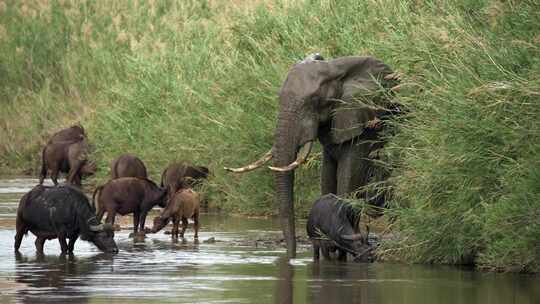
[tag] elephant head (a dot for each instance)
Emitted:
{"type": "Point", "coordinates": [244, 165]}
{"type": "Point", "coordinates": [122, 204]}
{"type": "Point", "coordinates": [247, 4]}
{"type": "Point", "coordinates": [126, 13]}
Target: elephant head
{"type": "Point", "coordinates": [333, 101]}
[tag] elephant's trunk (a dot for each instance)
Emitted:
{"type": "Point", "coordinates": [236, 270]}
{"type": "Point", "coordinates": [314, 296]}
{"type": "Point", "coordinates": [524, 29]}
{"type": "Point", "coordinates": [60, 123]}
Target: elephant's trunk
{"type": "Point", "coordinates": [284, 153]}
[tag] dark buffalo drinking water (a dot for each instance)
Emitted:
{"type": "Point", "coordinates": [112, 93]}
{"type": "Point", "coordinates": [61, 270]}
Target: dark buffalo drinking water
{"type": "Point", "coordinates": [233, 263]}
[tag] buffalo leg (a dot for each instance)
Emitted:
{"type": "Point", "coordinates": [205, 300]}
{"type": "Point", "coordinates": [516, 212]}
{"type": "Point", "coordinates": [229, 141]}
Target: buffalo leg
{"type": "Point", "coordinates": [63, 243]}
{"type": "Point", "coordinates": [73, 172]}
{"type": "Point", "coordinates": [77, 180]}
{"type": "Point", "coordinates": [196, 225]}
{"type": "Point", "coordinates": [71, 244]}
{"type": "Point", "coordinates": [18, 240]}
{"type": "Point", "coordinates": [136, 217]}
{"type": "Point", "coordinates": [54, 176]}
{"type": "Point", "coordinates": [21, 230]}
{"type": "Point", "coordinates": [176, 222]}
{"type": "Point", "coordinates": [326, 252]}
{"type": "Point", "coordinates": [40, 241]}
{"type": "Point", "coordinates": [184, 226]}
{"type": "Point", "coordinates": [342, 255]}
{"type": "Point", "coordinates": [142, 221]}
{"type": "Point", "coordinates": [42, 177]}
{"type": "Point", "coordinates": [316, 251]}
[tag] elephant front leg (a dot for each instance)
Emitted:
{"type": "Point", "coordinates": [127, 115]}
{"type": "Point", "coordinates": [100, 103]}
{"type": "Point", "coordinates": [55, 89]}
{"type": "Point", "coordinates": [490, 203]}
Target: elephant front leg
{"type": "Point", "coordinates": [328, 173]}
{"type": "Point", "coordinates": [352, 168]}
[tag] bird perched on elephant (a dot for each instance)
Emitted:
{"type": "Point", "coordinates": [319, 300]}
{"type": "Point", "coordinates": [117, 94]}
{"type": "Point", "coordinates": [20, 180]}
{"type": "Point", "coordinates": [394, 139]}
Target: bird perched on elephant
{"type": "Point", "coordinates": [67, 157]}
{"type": "Point", "coordinates": [127, 165]}
{"type": "Point", "coordinates": [341, 102]}
{"type": "Point", "coordinates": [183, 175]}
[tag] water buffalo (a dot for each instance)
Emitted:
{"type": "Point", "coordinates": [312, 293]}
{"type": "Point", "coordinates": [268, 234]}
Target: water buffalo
{"type": "Point", "coordinates": [184, 204]}
{"type": "Point", "coordinates": [333, 226]}
{"type": "Point", "coordinates": [128, 195]}
{"type": "Point", "coordinates": [73, 134]}
{"type": "Point", "coordinates": [68, 157]}
{"type": "Point", "coordinates": [127, 165]}
{"type": "Point", "coordinates": [61, 212]}
{"type": "Point", "coordinates": [181, 175]}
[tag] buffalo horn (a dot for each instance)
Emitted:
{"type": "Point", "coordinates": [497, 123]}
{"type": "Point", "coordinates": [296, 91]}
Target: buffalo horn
{"type": "Point", "coordinates": [96, 228]}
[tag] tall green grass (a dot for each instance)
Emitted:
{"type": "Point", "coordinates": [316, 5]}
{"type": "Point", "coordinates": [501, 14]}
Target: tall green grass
{"type": "Point", "coordinates": [198, 81]}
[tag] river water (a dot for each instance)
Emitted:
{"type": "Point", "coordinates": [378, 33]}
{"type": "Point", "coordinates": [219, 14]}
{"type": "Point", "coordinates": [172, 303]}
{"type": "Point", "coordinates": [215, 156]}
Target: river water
{"type": "Point", "coordinates": [236, 268]}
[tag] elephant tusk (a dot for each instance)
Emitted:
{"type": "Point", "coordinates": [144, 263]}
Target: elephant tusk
{"type": "Point", "coordinates": [253, 166]}
{"type": "Point", "coordinates": [302, 156]}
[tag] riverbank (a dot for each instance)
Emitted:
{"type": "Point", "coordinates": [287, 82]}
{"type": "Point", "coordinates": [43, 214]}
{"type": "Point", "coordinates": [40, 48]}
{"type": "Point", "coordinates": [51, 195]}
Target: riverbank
{"type": "Point", "coordinates": [198, 80]}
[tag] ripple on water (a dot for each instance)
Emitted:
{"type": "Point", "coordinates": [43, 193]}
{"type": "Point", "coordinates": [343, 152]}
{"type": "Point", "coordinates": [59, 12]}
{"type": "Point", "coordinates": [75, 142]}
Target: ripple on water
{"type": "Point", "coordinates": [22, 185]}
{"type": "Point", "coordinates": [235, 268]}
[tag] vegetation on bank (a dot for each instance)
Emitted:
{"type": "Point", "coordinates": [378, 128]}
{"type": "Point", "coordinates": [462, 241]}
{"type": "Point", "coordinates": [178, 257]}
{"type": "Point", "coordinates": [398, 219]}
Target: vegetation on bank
{"type": "Point", "coordinates": [198, 80]}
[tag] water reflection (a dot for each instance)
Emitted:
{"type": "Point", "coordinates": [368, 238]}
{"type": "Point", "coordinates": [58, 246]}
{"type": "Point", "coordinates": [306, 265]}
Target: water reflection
{"type": "Point", "coordinates": [335, 282]}
{"type": "Point", "coordinates": [53, 279]}
{"type": "Point", "coordinates": [284, 290]}
{"type": "Point", "coordinates": [233, 268]}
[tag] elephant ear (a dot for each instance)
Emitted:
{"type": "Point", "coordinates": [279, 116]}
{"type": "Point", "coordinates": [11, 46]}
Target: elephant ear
{"type": "Point", "coordinates": [361, 99]}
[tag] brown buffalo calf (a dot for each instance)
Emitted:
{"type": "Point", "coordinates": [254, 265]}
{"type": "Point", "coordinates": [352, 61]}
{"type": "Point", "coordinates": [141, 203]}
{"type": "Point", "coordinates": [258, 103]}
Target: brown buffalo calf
{"type": "Point", "coordinates": [127, 165]}
{"type": "Point", "coordinates": [183, 205]}
{"type": "Point", "coordinates": [128, 195]}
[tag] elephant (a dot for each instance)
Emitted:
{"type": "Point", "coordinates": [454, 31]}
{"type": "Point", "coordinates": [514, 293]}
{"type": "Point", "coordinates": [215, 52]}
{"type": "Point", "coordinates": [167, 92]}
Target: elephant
{"type": "Point", "coordinates": [341, 102]}
{"type": "Point", "coordinates": [68, 157]}
{"type": "Point", "coordinates": [127, 165]}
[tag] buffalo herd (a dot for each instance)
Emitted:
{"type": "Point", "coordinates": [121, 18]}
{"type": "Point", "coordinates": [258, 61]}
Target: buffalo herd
{"type": "Point", "coordinates": [63, 211]}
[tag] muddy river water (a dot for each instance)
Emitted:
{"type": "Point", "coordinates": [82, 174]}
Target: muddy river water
{"type": "Point", "coordinates": [235, 268]}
